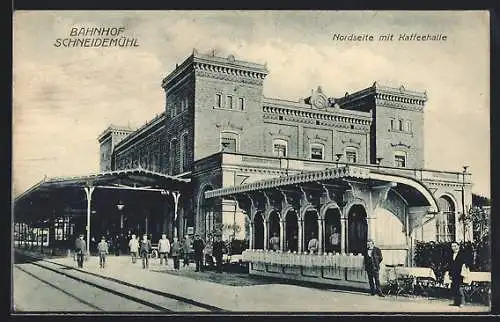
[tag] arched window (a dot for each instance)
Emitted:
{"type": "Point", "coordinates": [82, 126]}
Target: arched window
{"type": "Point", "coordinates": [317, 151]}
{"type": "Point", "coordinates": [400, 125]}
{"type": "Point", "coordinates": [173, 156]}
{"type": "Point", "coordinates": [445, 221]}
{"type": "Point", "coordinates": [351, 155]}
{"type": "Point", "coordinates": [229, 142]}
{"type": "Point", "coordinates": [280, 148]}
{"type": "Point", "coordinates": [184, 161]}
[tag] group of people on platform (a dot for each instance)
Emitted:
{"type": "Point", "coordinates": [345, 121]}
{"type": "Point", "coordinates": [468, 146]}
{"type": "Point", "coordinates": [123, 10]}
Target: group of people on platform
{"type": "Point", "coordinates": [457, 265]}
{"type": "Point", "coordinates": [205, 254]}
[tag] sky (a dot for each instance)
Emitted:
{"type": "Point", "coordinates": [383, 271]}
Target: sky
{"type": "Point", "coordinates": [63, 98]}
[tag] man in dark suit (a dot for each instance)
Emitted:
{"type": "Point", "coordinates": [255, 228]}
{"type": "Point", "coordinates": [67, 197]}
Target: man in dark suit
{"type": "Point", "coordinates": [218, 250]}
{"type": "Point", "coordinates": [198, 246]}
{"type": "Point", "coordinates": [373, 258]}
{"type": "Point", "coordinates": [80, 250]}
{"type": "Point", "coordinates": [455, 263]}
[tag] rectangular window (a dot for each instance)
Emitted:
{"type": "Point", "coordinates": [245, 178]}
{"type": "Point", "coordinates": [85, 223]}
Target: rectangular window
{"type": "Point", "coordinates": [408, 126]}
{"type": "Point", "coordinates": [242, 103]}
{"type": "Point", "coordinates": [184, 103]}
{"type": "Point", "coordinates": [400, 161]}
{"type": "Point", "coordinates": [218, 100]}
{"type": "Point", "coordinates": [228, 144]}
{"type": "Point", "coordinates": [316, 153]}
{"type": "Point", "coordinates": [178, 107]}
{"type": "Point", "coordinates": [392, 124]}
{"type": "Point", "coordinates": [229, 102]}
{"type": "Point", "coordinates": [350, 156]}
{"type": "Point", "coordinates": [279, 150]}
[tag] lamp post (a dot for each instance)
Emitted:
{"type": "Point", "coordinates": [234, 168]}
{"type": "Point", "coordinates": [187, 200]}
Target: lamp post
{"type": "Point", "coordinates": [120, 207]}
{"type": "Point", "coordinates": [464, 213]}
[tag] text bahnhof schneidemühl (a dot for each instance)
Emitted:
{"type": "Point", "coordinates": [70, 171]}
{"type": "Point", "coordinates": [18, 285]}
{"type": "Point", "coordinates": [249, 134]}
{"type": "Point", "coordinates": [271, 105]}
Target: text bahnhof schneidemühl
{"type": "Point", "coordinates": [97, 37]}
{"type": "Point", "coordinates": [390, 37]}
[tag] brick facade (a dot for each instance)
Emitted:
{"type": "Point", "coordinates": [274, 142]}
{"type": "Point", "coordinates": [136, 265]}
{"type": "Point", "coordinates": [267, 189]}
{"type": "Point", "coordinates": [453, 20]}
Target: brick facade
{"type": "Point", "coordinates": [216, 104]}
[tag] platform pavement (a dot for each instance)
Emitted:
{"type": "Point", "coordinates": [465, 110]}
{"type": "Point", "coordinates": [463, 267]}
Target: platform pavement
{"type": "Point", "coordinates": [273, 297]}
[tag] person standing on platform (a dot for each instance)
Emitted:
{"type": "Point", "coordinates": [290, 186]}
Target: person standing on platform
{"type": "Point", "coordinates": [458, 266]}
{"type": "Point", "coordinates": [274, 242]}
{"type": "Point", "coordinates": [218, 252]}
{"type": "Point", "coordinates": [186, 249]}
{"type": "Point", "coordinates": [293, 243]}
{"type": "Point", "coordinates": [334, 240]}
{"type": "Point", "coordinates": [145, 249]}
{"type": "Point", "coordinates": [80, 250]}
{"type": "Point", "coordinates": [372, 260]}
{"type": "Point", "coordinates": [176, 251]}
{"type": "Point", "coordinates": [163, 249]}
{"type": "Point", "coordinates": [198, 246]}
{"type": "Point", "coordinates": [313, 244]}
{"type": "Point", "coordinates": [133, 244]}
{"type": "Point", "coordinates": [209, 260]}
{"type": "Point", "coordinates": [102, 249]}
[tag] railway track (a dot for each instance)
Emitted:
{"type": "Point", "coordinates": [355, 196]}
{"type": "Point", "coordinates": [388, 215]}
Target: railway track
{"type": "Point", "coordinates": [106, 294]}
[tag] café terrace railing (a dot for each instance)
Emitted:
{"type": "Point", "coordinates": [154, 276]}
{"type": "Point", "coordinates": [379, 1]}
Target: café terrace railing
{"type": "Point", "coordinates": [342, 269]}
{"type": "Point", "coordinates": [303, 259]}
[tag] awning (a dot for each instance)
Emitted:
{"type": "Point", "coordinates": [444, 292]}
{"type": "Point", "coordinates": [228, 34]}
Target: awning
{"type": "Point", "coordinates": [130, 179]}
{"type": "Point", "coordinates": [411, 189]}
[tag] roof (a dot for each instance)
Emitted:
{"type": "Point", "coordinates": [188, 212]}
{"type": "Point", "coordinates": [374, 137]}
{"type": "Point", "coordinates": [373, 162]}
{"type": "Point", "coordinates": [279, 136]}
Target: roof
{"type": "Point", "coordinates": [408, 187]}
{"type": "Point", "coordinates": [125, 178]}
{"type": "Point", "coordinates": [331, 173]}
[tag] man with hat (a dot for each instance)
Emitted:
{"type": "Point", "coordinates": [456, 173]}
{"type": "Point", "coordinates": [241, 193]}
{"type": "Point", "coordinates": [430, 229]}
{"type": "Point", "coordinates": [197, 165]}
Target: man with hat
{"type": "Point", "coordinates": [102, 250]}
{"type": "Point", "coordinates": [218, 250]}
{"type": "Point", "coordinates": [80, 249]}
{"type": "Point", "coordinates": [198, 246]}
{"type": "Point", "coordinates": [372, 259]}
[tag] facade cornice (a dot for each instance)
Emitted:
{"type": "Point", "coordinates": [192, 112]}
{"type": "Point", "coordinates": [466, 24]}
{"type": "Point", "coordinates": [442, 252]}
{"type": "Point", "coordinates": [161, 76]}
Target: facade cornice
{"type": "Point", "coordinates": [158, 122]}
{"type": "Point", "coordinates": [352, 127]}
{"type": "Point", "coordinates": [387, 96]}
{"type": "Point", "coordinates": [212, 65]}
{"type": "Point", "coordinates": [113, 128]}
{"type": "Point", "coordinates": [318, 115]}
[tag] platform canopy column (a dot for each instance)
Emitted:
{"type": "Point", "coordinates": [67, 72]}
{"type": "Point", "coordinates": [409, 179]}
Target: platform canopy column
{"type": "Point", "coordinates": [89, 190]}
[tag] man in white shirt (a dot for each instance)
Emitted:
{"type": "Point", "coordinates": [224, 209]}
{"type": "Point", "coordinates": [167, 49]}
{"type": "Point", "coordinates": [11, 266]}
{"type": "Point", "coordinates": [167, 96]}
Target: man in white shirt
{"type": "Point", "coordinates": [163, 248]}
{"type": "Point", "coordinates": [313, 244]}
{"type": "Point", "coordinates": [335, 240]}
{"type": "Point", "coordinates": [274, 242]}
{"type": "Point", "coordinates": [133, 244]}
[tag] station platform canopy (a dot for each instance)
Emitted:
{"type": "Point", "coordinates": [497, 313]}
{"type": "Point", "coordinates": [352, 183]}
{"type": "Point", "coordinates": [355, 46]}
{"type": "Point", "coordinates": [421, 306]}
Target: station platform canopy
{"type": "Point", "coordinates": [72, 189]}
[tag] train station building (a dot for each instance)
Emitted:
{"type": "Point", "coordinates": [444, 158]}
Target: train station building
{"type": "Point", "coordinates": [223, 158]}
